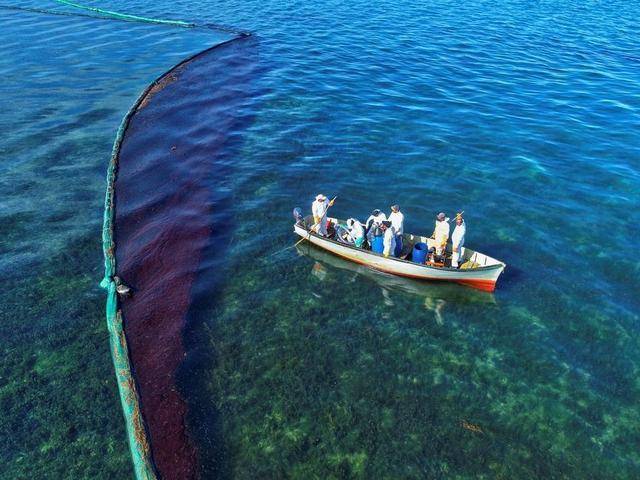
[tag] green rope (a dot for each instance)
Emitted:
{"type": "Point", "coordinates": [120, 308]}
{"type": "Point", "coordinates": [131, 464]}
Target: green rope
{"type": "Point", "coordinates": [129, 18]}
{"type": "Point", "coordinates": [138, 436]}
{"type": "Point", "coordinates": [125, 16]}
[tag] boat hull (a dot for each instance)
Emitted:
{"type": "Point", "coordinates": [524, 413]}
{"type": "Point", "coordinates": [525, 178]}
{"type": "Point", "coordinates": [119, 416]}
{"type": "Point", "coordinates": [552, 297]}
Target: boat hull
{"type": "Point", "coordinates": [483, 278]}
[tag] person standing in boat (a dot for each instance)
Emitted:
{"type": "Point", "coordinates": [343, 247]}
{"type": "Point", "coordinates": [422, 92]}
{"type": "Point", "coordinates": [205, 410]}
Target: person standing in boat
{"type": "Point", "coordinates": [441, 234]}
{"type": "Point", "coordinates": [397, 220]}
{"type": "Point", "coordinates": [356, 232]}
{"type": "Point", "coordinates": [319, 210]}
{"type": "Point", "coordinates": [389, 239]}
{"type": "Point", "coordinates": [457, 240]}
{"type": "Point", "coordinates": [373, 222]}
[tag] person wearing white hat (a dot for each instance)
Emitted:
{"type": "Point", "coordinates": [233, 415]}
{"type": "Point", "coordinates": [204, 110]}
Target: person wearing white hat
{"type": "Point", "coordinates": [457, 240]}
{"type": "Point", "coordinates": [319, 210]}
{"type": "Point", "coordinates": [441, 233]}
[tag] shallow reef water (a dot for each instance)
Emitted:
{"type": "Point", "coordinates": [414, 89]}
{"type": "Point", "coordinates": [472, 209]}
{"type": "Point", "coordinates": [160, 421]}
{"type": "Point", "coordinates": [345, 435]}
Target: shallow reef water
{"type": "Point", "coordinates": [300, 365]}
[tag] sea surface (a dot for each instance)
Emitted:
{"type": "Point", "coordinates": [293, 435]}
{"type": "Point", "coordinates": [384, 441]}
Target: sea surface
{"type": "Point", "coordinates": [299, 365]}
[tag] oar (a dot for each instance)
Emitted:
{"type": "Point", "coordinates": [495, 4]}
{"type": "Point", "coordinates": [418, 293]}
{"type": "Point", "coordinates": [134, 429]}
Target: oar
{"type": "Point", "coordinates": [316, 224]}
{"type": "Point", "coordinates": [457, 214]}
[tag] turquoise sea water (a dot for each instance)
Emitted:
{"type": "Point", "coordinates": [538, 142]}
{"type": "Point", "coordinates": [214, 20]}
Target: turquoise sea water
{"type": "Point", "coordinates": [523, 114]}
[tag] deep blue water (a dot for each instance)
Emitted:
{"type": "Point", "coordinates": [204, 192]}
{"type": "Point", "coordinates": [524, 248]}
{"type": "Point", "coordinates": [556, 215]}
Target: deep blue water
{"type": "Point", "coordinates": [522, 114]}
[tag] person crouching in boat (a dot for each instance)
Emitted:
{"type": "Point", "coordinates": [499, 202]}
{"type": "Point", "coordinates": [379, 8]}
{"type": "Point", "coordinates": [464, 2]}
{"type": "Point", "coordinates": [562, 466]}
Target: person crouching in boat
{"type": "Point", "coordinates": [319, 210]}
{"type": "Point", "coordinates": [457, 240]}
{"type": "Point", "coordinates": [356, 232]}
{"type": "Point", "coordinates": [396, 217]}
{"type": "Point", "coordinates": [374, 221]}
{"type": "Point", "coordinates": [440, 234]}
{"type": "Point", "coordinates": [389, 241]}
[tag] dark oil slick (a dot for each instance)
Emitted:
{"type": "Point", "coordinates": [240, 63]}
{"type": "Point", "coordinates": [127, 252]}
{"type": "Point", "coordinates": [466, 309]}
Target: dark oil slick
{"type": "Point", "coordinates": [169, 207]}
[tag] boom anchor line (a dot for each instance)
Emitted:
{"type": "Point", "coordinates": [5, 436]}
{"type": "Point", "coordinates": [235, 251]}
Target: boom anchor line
{"type": "Point", "coordinates": [102, 14]}
{"type": "Point", "coordinates": [125, 16]}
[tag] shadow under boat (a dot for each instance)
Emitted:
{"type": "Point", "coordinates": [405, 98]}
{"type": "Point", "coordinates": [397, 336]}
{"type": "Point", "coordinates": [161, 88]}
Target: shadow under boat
{"type": "Point", "coordinates": [431, 292]}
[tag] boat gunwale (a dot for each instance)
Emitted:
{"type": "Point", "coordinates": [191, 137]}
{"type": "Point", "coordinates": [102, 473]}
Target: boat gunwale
{"type": "Point", "coordinates": [466, 271]}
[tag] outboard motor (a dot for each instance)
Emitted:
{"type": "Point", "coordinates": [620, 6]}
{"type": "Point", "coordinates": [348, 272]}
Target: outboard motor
{"type": "Point", "coordinates": [297, 216]}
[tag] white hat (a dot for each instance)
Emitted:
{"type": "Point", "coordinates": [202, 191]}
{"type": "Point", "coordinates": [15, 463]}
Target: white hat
{"type": "Point", "coordinates": [320, 197]}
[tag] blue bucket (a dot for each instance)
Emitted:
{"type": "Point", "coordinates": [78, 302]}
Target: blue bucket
{"type": "Point", "coordinates": [378, 244]}
{"type": "Point", "coordinates": [419, 253]}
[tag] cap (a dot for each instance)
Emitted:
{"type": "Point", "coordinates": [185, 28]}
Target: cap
{"type": "Point", "coordinates": [320, 197]}
{"type": "Point", "coordinates": [441, 216]}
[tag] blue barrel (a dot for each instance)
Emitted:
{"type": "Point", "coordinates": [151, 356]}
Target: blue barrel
{"type": "Point", "coordinates": [378, 244]}
{"type": "Point", "coordinates": [419, 253]}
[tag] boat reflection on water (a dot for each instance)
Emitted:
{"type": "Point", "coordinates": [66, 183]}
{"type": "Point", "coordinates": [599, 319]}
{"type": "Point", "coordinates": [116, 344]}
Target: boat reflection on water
{"type": "Point", "coordinates": [436, 295]}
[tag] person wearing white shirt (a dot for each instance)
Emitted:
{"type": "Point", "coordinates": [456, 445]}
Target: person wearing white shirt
{"type": "Point", "coordinates": [396, 217]}
{"type": "Point", "coordinates": [441, 233]}
{"type": "Point", "coordinates": [319, 210]}
{"type": "Point", "coordinates": [457, 240]}
{"type": "Point", "coordinates": [356, 232]}
{"type": "Point", "coordinates": [375, 220]}
{"type": "Point", "coordinates": [389, 241]}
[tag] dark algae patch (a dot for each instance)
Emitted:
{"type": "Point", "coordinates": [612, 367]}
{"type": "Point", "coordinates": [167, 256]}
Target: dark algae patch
{"type": "Point", "coordinates": [308, 381]}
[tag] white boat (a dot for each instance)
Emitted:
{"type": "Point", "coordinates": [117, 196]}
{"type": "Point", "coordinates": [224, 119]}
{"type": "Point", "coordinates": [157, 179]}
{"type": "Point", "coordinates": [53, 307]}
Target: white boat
{"type": "Point", "coordinates": [431, 292]}
{"type": "Point", "coordinates": [478, 270]}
